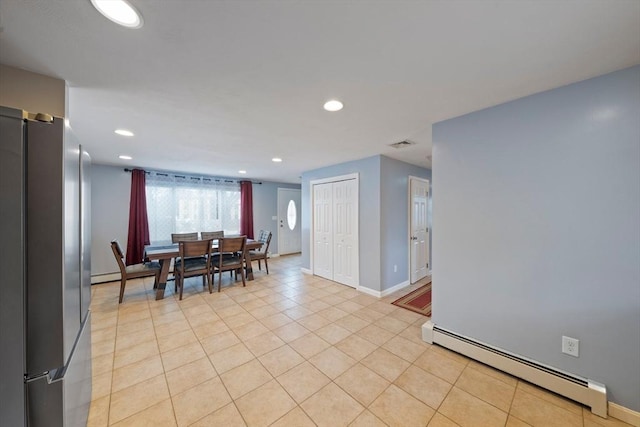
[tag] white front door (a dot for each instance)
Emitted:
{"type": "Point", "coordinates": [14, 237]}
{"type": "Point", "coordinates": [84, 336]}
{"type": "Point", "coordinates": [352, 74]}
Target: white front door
{"type": "Point", "coordinates": [323, 230]}
{"type": "Point", "coordinates": [419, 232]}
{"type": "Point", "coordinates": [289, 234]}
{"type": "Point", "coordinates": [345, 221]}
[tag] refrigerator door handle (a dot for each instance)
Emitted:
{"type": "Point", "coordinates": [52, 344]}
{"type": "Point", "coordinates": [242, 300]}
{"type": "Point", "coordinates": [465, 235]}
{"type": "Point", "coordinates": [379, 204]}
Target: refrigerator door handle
{"type": "Point", "coordinates": [52, 376]}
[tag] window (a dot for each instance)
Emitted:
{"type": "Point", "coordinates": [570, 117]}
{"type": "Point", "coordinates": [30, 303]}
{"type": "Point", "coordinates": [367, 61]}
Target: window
{"type": "Point", "coordinates": [185, 204]}
{"type": "Point", "coordinates": [292, 215]}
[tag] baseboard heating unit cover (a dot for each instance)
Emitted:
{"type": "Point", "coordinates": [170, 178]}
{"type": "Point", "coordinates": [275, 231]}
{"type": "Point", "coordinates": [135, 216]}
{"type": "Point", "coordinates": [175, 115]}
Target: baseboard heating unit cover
{"type": "Point", "coordinates": [581, 390]}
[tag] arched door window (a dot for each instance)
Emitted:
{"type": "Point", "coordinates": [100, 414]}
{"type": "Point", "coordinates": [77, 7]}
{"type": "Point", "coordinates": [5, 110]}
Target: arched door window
{"type": "Point", "coordinates": [292, 215]}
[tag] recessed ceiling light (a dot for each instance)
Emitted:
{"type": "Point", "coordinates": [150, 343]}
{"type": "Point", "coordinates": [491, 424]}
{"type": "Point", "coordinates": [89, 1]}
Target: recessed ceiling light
{"type": "Point", "coordinates": [120, 12]}
{"type": "Point", "coordinates": [125, 157]}
{"type": "Point", "coordinates": [276, 159]}
{"type": "Point", "coordinates": [124, 132]}
{"type": "Point", "coordinates": [243, 172]}
{"type": "Point", "coordinates": [333, 105]}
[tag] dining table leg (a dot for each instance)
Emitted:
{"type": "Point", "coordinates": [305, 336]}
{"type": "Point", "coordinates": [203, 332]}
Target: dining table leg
{"type": "Point", "coordinates": [164, 275]}
{"type": "Point", "coordinates": [247, 263]}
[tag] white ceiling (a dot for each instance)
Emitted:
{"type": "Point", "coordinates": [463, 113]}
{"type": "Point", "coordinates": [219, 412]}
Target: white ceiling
{"type": "Point", "coordinates": [216, 86]}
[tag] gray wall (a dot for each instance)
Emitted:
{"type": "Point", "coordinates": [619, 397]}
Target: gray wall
{"type": "Point", "coordinates": [383, 217]}
{"type": "Point", "coordinates": [111, 187]}
{"type": "Point", "coordinates": [369, 214]}
{"type": "Point", "coordinates": [394, 218]}
{"type": "Point", "coordinates": [537, 228]}
{"type": "Point", "coordinates": [265, 207]}
{"type": "Point", "coordinates": [110, 193]}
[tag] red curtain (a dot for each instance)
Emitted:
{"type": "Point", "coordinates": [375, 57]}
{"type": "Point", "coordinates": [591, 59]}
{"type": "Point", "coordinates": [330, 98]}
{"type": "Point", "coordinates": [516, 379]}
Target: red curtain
{"type": "Point", "coordinates": [138, 221]}
{"type": "Point", "coordinates": [246, 209]}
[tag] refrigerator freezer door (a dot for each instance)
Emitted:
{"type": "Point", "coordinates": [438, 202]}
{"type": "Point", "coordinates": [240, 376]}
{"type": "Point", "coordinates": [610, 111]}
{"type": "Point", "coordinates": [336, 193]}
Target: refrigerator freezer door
{"type": "Point", "coordinates": [77, 379]}
{"type": "Point", "coordinates": [12, 327]}
{"type": "Point", "coordinates": [64, 402]}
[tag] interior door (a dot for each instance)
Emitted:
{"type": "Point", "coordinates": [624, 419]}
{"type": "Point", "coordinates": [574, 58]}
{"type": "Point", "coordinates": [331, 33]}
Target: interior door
{"type": "Point", "coordinates": [345, 255]}
{"type": "Point", "coordinates": [289, 234]}
{"type": "Point", "coordinates": [323, 230]}
{"type": "Point", "coordinates": [419, 233]}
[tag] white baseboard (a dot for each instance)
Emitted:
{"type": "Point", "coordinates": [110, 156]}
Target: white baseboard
{"type": "Point", "coordinates": [381, 294]}
{"type": "Point", "coordinates": [627, 415]}
{"type": "Point", "coordinates": [273, 255]}
{"type": "Point", "coordinates": [103, 278]}
{"type": "Point", "coordinates": [306, 270]}
{"type": "Point", "coordinates": [369, 291]}
{"type": "Point", "coordinates": [394, 288]}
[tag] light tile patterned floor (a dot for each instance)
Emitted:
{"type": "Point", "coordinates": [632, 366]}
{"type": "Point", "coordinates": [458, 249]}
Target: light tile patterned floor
{"type": "Point", "coordinates": [293, 350]}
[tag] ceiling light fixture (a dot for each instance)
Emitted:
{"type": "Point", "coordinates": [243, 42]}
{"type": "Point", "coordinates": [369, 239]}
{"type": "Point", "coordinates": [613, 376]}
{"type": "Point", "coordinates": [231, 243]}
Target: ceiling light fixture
{"type": "Point", "coordinates": [333, 105]}
{"type": "Point", "coordinates": [276, 159]}
{"type": "Point", "coordinates": [242, 172]}
{"type": "Point", "coordinates": [123, 132]}
{"type": "Point", "coordinates": [123, 157]}
{"type": "Point", "coordinates": [120, 12]}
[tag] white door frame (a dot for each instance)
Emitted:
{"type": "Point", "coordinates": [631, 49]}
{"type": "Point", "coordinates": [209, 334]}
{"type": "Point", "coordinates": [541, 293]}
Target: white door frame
{"type": "Point", "coordinates": [409, 228]}
{"type": "Point", "coordinates": [298, 212]}
{"type": "Point", "coordinates": [355, 176]}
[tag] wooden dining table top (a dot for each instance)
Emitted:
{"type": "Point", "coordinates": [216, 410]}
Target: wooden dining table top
{"type": "Point", "coordinates": [172, 250]}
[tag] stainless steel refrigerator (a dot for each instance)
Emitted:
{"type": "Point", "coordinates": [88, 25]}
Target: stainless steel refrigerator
{"type": "Point", "coordinates": [45, 322]}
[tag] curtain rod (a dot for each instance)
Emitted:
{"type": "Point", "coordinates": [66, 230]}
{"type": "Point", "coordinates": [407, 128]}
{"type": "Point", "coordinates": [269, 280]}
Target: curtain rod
{"type": "Point", "coordinates": [207, 178]}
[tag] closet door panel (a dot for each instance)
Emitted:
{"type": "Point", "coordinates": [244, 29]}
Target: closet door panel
{"type": "Point", "coordinates": [323, 230]}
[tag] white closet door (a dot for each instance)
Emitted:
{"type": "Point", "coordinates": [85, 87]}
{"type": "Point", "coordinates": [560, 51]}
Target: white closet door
{"type": "Point", "coordinates": [345, 233]}
{"type": "Point", "coordinates": [323, 230]}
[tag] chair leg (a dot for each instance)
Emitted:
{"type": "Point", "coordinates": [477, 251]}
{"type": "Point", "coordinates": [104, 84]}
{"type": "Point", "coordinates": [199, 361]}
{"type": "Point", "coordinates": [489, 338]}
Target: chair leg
{"type": "Point", "coordinates": [219, 280]}
{"type": "Point", "coordinates": [260, 265]}
{"type": "Point", "coordinates": [209, 282]}
{"type": "Point", "coordinates": [266, 266]}
{"type": "Point", "coordinates": [181, 286]}
{"type": "Point", "coordinates": [123, 283]}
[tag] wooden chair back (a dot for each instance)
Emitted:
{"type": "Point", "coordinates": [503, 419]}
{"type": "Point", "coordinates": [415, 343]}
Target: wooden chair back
{"type": "Point", "coordinates": [117, 252]}
{"type": "Point", "coordinates": [194, 248]}
{"type": "Point", "coordinates": [183, 237]}
{"type": "Point", "coordinates": [213, 235]}
{"type": "Point", "coordinates": [232, 245]}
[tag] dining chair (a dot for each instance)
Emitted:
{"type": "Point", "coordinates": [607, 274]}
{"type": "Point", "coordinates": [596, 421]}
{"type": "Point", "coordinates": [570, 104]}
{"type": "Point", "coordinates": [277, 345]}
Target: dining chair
{"type": "Point", "coordinates": [214, 235]}
{"type": "Point", "coordinates": [232, 256]}
{"type": "Point", "coordinates": [134, 271]}
{"type": "Point", "coordinates": [183, 237]}
{"type": "Point", "coordinates": [263, 253]}
{"type": "Point", "coordinates": [195, 260]}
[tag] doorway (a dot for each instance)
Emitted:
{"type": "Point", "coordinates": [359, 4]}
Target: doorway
{"type": "Point", "coordinates": [418, 228]}
{"type": "Point", "coordinates": [289, 234]}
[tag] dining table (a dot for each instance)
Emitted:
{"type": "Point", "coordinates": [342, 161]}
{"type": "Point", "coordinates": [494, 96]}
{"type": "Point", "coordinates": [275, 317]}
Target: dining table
{"type": "Point", "coordinates": [164, 253]}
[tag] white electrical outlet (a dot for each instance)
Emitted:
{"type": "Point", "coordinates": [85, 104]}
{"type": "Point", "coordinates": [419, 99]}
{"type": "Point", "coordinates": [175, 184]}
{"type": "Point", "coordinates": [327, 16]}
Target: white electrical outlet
{"type": "Point", "coordinates": [395, 268]}
{"type": "Point", "coordinates": [570, 346]}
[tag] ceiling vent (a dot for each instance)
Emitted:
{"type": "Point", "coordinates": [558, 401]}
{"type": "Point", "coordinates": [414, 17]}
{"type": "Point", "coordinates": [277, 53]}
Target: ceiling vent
{"type": "Point", "coordinates": [401, 144]}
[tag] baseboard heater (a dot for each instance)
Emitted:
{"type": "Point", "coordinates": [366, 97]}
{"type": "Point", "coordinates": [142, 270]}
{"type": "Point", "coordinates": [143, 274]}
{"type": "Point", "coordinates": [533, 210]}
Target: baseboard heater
{"type": "Point", "coordinates": [581, 390]}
